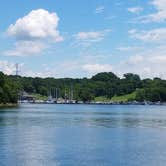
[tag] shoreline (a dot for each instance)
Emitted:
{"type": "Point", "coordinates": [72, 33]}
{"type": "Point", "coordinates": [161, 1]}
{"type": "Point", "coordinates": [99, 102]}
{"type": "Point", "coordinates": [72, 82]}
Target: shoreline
{"type": "Point", "coordinates": [9, 105]}
{"type": "Point", "coordinates": [99, 103]}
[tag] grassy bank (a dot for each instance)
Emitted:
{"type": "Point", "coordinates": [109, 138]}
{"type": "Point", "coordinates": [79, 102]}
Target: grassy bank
{"type": "Point", "coordinates": [123, 98]}
{"type": "Point", "coordinates": [102, 98]}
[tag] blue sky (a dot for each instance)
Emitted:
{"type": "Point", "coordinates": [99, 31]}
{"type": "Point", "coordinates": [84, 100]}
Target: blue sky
{"type": "Point", "coordinates": [81, 38]}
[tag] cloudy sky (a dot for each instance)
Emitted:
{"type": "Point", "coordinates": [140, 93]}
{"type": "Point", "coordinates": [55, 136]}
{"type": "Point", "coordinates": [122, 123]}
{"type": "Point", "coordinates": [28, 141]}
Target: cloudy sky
{"type": "Point", "coordinates": [79, 38]}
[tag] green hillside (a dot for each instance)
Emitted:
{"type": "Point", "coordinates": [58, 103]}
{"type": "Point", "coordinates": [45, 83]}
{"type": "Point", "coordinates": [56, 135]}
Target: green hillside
{"type": "Point", "coordinates": [124, 98]}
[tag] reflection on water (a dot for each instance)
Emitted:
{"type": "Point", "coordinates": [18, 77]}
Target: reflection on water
{"type": "Point", "coordinates": [83, 135]}
{"type": "Point", "coordinates": [83, 115]}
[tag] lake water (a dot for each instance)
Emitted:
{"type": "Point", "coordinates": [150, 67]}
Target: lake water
{"type": "Point", "coordinates": [83, 135]}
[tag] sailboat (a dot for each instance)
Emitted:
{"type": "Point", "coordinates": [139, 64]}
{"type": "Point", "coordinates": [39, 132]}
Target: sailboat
{"type": "Point", "coordinates": [50, 99]}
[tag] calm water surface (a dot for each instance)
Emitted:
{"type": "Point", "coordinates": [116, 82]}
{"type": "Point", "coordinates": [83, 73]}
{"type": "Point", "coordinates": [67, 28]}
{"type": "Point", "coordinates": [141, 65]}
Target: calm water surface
{"type": "Point", "coordinates": [83, 135]}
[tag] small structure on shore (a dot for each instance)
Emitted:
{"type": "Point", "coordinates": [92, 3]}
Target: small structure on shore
{"type": "Point", "coordinates": [26, 98]}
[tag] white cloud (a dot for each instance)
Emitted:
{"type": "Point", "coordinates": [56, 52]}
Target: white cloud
{"type": "Point", "coordinates": [161, 59]}
{"type": "Point", "coordinates": [94, 36]}
{"type": "Point", "coordinates": [96, 68]}
{"type": "Point", "coordinates": [26, 48]}
{"type": "Point", "coordinates": [135, 59]}
{"type": "Point", "coordinates": [148, 63]}
{"type": "Point", "coordinates": [38, 24]}
{"type": "Point", "coordinates": [86, 38]}
{"type": "Point", "coordinates": [69, 69]}
{"type": "Point", "coordinates": [64, 69]}
{"type": "Point", "coordinates": [128, 49]}
{"type": "Point", "coordinates": [33, 31]}
{"type": "Point", "coordinates": [99, 9]}
{"type": "Point", "coordinates": [145, 66]}
{"type": "Point", "coordinates": [7, 67]}
{"type": "Point", "coordinates": [135, 10]}
{"type": "Point", "coordinates": [159, 15]}
{"type": "Point", "coordinates": [42, 74]}
{"type": "Point", "coordinates": [154, 35]}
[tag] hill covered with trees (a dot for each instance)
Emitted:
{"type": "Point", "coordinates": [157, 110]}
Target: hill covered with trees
{"type": "Point", "coordinates": [9, 90]}
{"type": "Point", "coordinates": [102, 85]}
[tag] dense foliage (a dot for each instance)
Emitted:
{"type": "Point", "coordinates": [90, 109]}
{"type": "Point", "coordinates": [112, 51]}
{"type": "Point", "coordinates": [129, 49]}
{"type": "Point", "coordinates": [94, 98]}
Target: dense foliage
{"type": "Point", "coordinates": [153, 90]}
{"type": "Point", "coordinates": [104, 84]}
{"type": "Point", "coordinates": [9, 90]}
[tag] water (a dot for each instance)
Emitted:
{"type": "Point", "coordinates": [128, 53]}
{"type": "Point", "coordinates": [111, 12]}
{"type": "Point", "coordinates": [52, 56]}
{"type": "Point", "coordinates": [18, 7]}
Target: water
{"type": "Point", "coordinates": [83, 135]}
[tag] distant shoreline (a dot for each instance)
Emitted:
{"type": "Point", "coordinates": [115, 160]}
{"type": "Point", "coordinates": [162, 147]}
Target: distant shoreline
{"type": "Point", "coordinates": [99, 103]}
{"type": "Point", "coordinates": [9, 105]}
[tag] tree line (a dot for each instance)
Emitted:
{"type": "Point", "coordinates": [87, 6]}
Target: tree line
{"type": "Point", "coordinates": [9, 90]}
{"type": "Point", "coordinates": [105, 84]}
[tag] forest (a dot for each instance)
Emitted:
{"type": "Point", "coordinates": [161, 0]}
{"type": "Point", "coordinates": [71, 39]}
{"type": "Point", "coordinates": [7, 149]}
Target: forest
{"type": "Point", "coordinates": [9, 89]}
{"type": "Point", "coordinates": [106, 85]}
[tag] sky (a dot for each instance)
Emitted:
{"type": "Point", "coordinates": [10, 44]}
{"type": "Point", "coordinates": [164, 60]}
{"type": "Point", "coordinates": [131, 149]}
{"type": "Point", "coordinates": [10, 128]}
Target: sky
{"type": "Point", "coordinates": [62, 38]}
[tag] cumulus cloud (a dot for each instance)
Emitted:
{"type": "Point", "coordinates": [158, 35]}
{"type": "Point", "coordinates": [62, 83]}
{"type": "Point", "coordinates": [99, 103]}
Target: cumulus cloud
{"type": "Point", "coordinates": [96, 68]}
{"type": "Point", "coordinates": [135, 10]}
{"type": "Point", "coordinates": [154, 35]}
{"type": "Point", "coordinates": [38, 24]}
{"type": "Point", "coordinates": [33, 31]}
